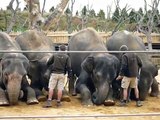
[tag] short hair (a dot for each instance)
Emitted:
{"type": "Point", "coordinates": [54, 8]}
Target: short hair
{"type": "Point", "coordinates": [123, 48]}
{"type": "Point", "coordinates": [62, 47]}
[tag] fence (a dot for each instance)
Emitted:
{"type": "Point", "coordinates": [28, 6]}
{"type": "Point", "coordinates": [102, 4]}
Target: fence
{"type": "Point", "coordinates": [63, 37]}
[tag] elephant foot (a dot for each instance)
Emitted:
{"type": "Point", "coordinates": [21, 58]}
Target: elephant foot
{"type": "Point", "coordinates": [109, 103]}
{"type": "Point", "coordinates": [66, 98]}
{"type": "Point", "coordinates": [41, 98]}
{"type": "Point", "coordinates": [87, 103]}
{"type": "Point", "coordinates": [32, 101]}
{"type": "Point", "coordinates": [4, 103]}
{"type": "Point", "coordinates": [153, 94]}
{"type": "Point", "coordinates": [21, 94]}
{"type": "Point", "coordinates": [74, 93]}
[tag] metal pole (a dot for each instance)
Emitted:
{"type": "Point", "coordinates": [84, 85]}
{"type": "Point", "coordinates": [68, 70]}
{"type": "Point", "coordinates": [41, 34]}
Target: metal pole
{"type": "Point", "coordinates": [29, 51]}
{"type": "Point", "coordinates": [82, 116]}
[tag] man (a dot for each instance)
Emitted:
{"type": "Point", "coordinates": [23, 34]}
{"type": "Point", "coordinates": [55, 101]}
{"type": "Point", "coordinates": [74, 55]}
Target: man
{"type": "Point", "coordinates": [59, 64]}
{"type": "Point", "coordinates": [130, 64]}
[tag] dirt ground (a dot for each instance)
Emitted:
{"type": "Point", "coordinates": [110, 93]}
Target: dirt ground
{"type": "Point", "coordinates": [75, 111]}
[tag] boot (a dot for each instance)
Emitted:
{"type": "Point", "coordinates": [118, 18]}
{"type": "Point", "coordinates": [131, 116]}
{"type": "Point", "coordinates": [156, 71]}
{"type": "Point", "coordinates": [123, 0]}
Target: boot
{"type": "Point", "coordinates": [138, 103]}
{"type": "Point", "coordinates": [48, 104]}
{"type": "Point", "coordinates": [58, 103]}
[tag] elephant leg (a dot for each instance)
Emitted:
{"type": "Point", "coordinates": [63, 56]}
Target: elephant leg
{"type": "Point", "coordinates": [29, 93]}
{"type": "Point", "coordinates": [85, 95]}
{"type": "Point", "coordinates": [83, 89]}
{"type": "Point", "coordinates": [3, 98]}
{"type": "Point", "coordinates": [65, 96]}
{"type": "Point", "coordinates": [154, 88]}
{"type": "Point", "coordinates": [39, 94]}
{"type": "Point", "coordinates": [31, 96]}
{"type": "Point", "coordinates": [109, 100]}
{"type": "Point", "coordinates": [72, 83]}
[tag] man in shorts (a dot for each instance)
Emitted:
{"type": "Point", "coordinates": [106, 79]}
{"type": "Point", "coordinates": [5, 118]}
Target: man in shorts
{"type": "Point", "coordinates": [60, 64]}
{"type": "Point", "coordinates": [130, 65]}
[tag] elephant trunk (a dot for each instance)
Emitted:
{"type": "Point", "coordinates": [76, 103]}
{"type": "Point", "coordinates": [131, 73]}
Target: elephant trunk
{"type": "Point", "coordinates": [13, 89]}
{"type": "Point", "coordinates": [143, 90]}
{"type": "Point", "coordinates": [100, 94]}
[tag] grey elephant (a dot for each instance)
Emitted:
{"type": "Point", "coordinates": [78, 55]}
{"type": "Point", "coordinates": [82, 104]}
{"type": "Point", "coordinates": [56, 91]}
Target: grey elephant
{"type": "Point", "coordinates": [13, 71]}
{"type": "Point", "coordinates": [148, 71]}
{"type": "Point", "coordinates": [38, 72]}
{"type": "Point", "coordinates": [95, 71]}
{"type": "Point", "coordinates": [38, 41]}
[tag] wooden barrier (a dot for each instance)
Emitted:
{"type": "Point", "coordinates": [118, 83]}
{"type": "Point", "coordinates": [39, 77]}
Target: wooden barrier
{"type": "Point", "coordinates": [63, 37]}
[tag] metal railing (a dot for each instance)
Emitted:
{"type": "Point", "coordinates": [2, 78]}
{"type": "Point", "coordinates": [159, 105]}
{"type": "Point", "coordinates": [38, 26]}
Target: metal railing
{"type": "Point", "coordinates": [82, 116]}
{"type": "Point", "coordinates": [30, 51]}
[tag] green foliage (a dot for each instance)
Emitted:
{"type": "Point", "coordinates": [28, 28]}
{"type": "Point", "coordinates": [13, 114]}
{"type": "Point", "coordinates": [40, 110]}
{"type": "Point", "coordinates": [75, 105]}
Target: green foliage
{"type": "Point", "coordinates": [84, 11]}
{"type": "Point", "coordinates": [92, 13]}
{"type": "Point", "coordinates": [116, 15]}
{"type": "Point", "coordinates": [132, 15]}
{"type": "Point", "coordinates": [52, 9]}
{"type": "Point", "coordinates": [99, 22]}
{"type": "Point", "coordinates": [101, 15]}
{"type": "Point", "coordinates": [68, 11]}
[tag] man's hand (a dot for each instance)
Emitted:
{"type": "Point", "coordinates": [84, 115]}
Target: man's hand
{"type": "Point", "coordinates": [70, 74]}
{"type": "Point", "coordinates": [119, 77]}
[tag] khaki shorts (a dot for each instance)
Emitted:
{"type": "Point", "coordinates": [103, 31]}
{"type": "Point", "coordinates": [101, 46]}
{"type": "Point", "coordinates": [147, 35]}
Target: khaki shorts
{"type": "Point", "coordinates": [129, 82]}
{"type": "Point", "coordinates": [56, 79]}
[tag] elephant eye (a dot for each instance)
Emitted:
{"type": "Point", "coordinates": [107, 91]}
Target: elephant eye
{"type": "Point", "coordinates": [5, 63]}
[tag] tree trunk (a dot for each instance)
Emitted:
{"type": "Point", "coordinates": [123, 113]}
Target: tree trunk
{"type": "Point", "coordinates": [14, 14]}
{"type": "Point", "coordinates": [149, 40]}
{"type": "Point", "coordinates": [55, 16]}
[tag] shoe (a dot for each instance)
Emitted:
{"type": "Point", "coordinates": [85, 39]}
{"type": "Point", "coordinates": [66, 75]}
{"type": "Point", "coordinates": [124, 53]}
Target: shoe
{"type": "Point", "coordinates": [48, 104]}
{"type": "Point", "coordinates": [59, 103]}
{"type": "Point", "coordinates": [123, 103]}
{"type": "Point", "coordinates": [139, 104]}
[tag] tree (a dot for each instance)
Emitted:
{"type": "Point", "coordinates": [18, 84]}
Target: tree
{"type": "Point", "coordinates": [116, 15]}
{"type": "Point", "coordinates": [92, 13]}
{"type": "Point", "coordinates": [132, 16]}
{"type": "Point", "coordinates": [35, 15]}
{"type": "Point", "coordinates": [108, 15]}
{"type": "Point", "coordinates": [69, 13]}
{"type": "Point", "coordinates": [55, 16]}
{"type": "Point", "coordinates": [101, 15]}
{"type": "Point", "coordinates": [84, 16]}
{"type": "Point", "coordinates": [121, 16]}
{"type": "Point", "coordinates": [14, 14]}
{"type": "Point", "coordinates": [77, 13]}
{"type": "Point", "coordinates": [43, 7]}
{"type": "Point", "coordinates": [147, 23]}
{"type": "Point", "coordinates": [51, 9]}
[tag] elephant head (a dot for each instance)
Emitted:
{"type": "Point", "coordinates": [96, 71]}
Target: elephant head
{"type": "Point", "coordinates": [103, 70]}
{"type": "Point", "coordinates": [39, 72]}
{"type": "Point", "coordinates": [13, 68]}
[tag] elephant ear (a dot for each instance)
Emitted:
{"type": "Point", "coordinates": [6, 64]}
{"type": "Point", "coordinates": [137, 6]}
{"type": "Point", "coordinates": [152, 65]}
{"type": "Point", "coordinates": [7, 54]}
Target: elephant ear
{"type": "Point", "coordinates": [88, 64]}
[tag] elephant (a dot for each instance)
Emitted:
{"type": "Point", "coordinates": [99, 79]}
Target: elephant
{"type": "Point", "coordinates": [39, 72]}
{"type": "Point", "coordinates": [148, 71]}
{"type": "Point", "coordinates": [38, 41]}
{"type": "Point", "coordinates": [95, 71]}
{"type": "Point", "coordinates": [13, 71]}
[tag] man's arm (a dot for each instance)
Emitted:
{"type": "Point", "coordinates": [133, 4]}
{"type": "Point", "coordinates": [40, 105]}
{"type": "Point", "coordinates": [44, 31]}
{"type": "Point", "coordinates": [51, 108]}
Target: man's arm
{"type": "Point", "coordinates": [69, 69]}
{"type": "Point", "coordinates": [123, 65]}
{"type": "Point", "coordinates": [50, 61]}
